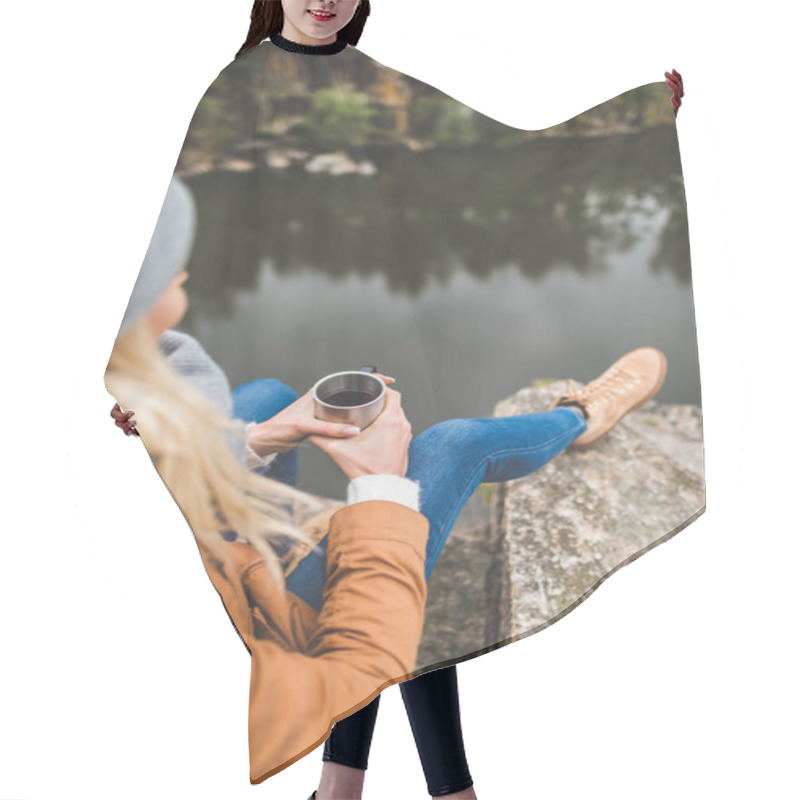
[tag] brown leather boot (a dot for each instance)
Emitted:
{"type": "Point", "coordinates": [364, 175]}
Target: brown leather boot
{"type": "Point", "coordinates": [628, 383]}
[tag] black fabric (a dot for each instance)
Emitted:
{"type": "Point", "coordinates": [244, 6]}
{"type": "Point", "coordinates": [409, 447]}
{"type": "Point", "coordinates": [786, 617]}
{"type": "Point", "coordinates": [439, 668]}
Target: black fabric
{"type": "Point", "coordinates": [309, 49]}
{"type": "Point", "coordinates": [433, 710]}
{"type": "Point", "coordinates": [351, 737]}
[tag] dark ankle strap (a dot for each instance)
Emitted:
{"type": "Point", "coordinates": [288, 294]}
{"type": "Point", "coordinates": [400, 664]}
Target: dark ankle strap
{"type": "Point", "coordinates": [581, 406]}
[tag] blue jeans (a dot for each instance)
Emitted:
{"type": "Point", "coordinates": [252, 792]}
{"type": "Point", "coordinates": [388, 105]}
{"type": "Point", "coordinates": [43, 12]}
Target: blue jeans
{"type": "Point", "coordinates": [449, 460]}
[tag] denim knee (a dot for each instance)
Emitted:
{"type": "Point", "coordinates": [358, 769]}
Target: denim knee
{"type": "Point", "coordinates": [449, 432]}
{"type": "Point", "coordinates": [275, 387]}
{"type": "Point", "coordinates": [262, 398]}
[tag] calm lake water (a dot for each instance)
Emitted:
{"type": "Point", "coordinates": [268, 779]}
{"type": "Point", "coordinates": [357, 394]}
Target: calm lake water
{"type": "Point", "coordinates": [461, 274]}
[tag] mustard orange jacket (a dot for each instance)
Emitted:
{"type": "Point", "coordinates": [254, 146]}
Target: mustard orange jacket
{"type": "Point", "coordinates": [309, 670]}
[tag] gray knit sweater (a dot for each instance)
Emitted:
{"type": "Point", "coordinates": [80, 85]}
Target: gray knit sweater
{"type": "Point", "coordinates": [190, 358]}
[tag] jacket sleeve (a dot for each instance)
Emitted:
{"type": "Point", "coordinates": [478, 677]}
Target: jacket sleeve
{"type": "Point", "coordinates": [364, 639]}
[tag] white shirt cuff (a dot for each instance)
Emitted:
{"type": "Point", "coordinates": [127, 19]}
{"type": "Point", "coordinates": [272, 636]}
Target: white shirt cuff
{"type": "Point", "coordinates": [384, 487]}
{"type": "Point", "coordinates": [254, 460]}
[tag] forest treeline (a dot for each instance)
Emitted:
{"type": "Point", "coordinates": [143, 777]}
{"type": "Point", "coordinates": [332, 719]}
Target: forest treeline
{"type": "Point", "coordinates": [258, 103]}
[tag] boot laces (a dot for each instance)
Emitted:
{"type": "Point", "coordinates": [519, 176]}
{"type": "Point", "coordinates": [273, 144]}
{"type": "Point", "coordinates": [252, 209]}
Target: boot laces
{"type": "Point", "coordinates": [601, 390]}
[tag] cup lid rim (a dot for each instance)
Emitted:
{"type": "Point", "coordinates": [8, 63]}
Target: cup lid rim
{"type": "Point", "coordinates": [349, 372]}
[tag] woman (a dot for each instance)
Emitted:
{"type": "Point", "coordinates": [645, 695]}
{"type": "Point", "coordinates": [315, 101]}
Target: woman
{"type": "Point", "coordinates": [307, 666]}
{"type": "Point", "coordinates": [278, 424]}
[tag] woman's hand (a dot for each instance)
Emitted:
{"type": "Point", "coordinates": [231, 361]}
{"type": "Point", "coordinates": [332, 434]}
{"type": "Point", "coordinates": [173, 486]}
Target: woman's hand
{"type": "Point", "coordinates": [123, 420]}
{"type": "Point", "coordinates": [379, 450]}
{"type": "Point", "coordinates": [289, 427]}
{"type": "Point", "coordinates": [675, 82]}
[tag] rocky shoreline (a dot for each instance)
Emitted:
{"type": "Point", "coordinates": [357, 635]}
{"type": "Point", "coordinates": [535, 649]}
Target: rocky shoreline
{"type": "Point", "coordinates": [524, 553]}
{"type": "Point", "coordinates": [252, 155]}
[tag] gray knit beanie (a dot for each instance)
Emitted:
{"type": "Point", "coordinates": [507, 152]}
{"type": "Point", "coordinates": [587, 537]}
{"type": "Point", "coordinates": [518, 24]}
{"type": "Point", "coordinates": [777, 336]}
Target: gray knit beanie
{"type": "Point", "coordinates": [169, 250]}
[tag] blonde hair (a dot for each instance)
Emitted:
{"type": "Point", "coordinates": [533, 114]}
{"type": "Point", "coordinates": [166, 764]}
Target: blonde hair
{"type": "Point", "coordinates": [186, 436]}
